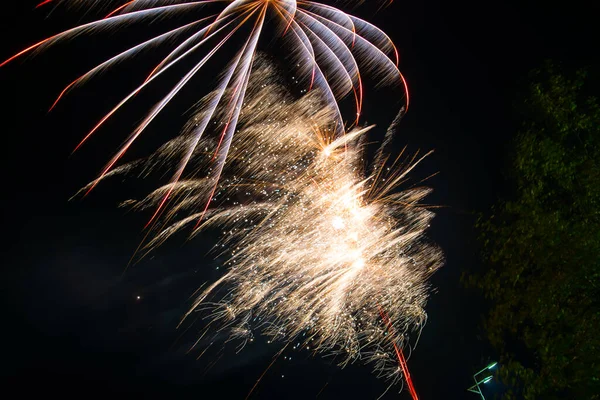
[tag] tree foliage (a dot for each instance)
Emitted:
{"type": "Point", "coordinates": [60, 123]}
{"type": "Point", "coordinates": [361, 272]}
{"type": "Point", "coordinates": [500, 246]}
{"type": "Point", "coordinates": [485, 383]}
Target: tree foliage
{"type": "Point", "coordinates": [541, 247]}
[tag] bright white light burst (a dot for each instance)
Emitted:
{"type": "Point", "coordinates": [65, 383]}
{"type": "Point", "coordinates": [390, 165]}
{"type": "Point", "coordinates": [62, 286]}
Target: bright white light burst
{"type": "Point", "coordinates": [321, 251]}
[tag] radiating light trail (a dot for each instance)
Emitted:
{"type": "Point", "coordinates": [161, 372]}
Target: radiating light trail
{"type": "Point", "coordinates": [328, 48]}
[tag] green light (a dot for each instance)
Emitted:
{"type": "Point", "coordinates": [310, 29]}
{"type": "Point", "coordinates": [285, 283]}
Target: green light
{"type": "Point", "coordinates": [486, 380]}
{"type": "Point", "coordinates": [492, 365]}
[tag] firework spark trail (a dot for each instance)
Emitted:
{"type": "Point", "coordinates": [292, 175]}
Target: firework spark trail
{"type": "Point", "coordinates": [400, 354]}
{"type": "Point", "coordinates": [317, 246]}
{"type": "Point", "coordinates": [328, 46]}
{"type": "Point", "coordinates": [43, 3]}
{"type": "Point", "coordinates": [157, 109]}
{"type": "Point", "coordinates": [120, 56]}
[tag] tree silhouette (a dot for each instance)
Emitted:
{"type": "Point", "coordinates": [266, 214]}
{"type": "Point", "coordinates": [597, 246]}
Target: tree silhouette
{"type": "Point", "coordinates": [541, 246]}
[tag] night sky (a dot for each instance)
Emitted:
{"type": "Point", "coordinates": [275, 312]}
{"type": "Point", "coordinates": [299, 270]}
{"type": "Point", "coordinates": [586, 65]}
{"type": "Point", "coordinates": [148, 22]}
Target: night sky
{"type": "Point", "coordinates": [72, 321]}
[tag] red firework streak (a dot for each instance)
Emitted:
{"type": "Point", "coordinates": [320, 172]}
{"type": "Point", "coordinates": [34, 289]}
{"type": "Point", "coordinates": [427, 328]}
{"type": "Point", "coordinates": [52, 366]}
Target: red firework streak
{"type": "Point", "coordinates": [43, 3]}
{"type": "Point", "coordinates": [399, 354]}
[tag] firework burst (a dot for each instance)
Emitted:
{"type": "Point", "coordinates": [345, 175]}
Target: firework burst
{"type": "Point", "coordinates": [327, 48]}
{"type": "Point", "coordinates": [321, 252]}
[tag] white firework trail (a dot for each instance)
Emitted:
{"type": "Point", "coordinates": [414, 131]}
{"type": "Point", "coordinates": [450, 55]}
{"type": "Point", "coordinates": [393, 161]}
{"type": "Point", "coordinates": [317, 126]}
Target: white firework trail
{"type": "Point", "coordinates": [327, 47]}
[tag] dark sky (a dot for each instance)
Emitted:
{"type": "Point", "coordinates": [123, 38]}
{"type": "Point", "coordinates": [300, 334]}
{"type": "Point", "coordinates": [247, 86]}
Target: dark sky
{"type": "Point", "coordinates": [72, 323]}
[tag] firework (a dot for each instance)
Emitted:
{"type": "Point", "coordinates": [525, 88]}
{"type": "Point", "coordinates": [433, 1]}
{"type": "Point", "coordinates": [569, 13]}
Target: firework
{"type": "Point", "coordinates": [326, 46]}
{"type": "Point", "coordinates": [322, 254]}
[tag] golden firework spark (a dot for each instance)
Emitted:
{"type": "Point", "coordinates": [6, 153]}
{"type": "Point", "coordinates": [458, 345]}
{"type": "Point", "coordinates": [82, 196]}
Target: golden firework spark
{"type": "Point", "coordinates": [317, 244]}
